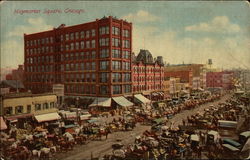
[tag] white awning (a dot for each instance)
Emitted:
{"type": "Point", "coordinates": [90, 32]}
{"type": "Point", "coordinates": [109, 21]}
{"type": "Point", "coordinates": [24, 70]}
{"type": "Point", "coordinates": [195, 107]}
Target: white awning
{"type": "Point", "coordinates": [70, 115]}
{"type": "Point", "coordinates": [154, 94]}
{"type": "Point", "coordinates": [48, 117]}
{"type": "Point", "coordinates": [122, 101]}
{"type": "Point", "coordinates": [85, 117]}
{"type": "Point", "coordinates": [194, 137]}
{"type": "Point", "coordinates": [103, 102]}
{"type": "Point", "coordinates": [3, 125]}
{"type": "Point", "coordinates": [141, 98]}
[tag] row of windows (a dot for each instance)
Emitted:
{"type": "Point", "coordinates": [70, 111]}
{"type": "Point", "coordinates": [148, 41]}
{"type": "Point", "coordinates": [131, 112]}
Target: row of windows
{"type": "Point", "coordinates": [104, 53]}
{"type": "Point", "coordinates": [148, 78]}
{"type": "Point", "coordinates": [78, 46]}
{"type": "Point", "coordinates": [148, 87]}
{"type": "Point", "coordinates": [77, 35]}
{"type": "Point", "coordinates": [78, 56]}
{"type": "Point", "coordinates": [116, 31]}
{"type": "Point", "coordinates": [46, 40]}
{"type": "Point", "coordinates": [79, 66]}
{"type": "Point", "coordinates": [40, 78]}
{"type": "Point", "coordinates": [80, 77]}
{"type": "Point", "coordinates": [47, 49]}
{"type": "Point", "coordinates": [148, 70]}
{"type": "Point", "coordinates": [91, 89]}
{"type": "Point", "coordinates": [42, 59]}
{"type": "Point", "coordinates": [104, 65]}
{"type": "Point", "coordinates": [44, 106]}
{"type": "Point", "coordinates": [20, 109]}
{"type": "Point", "coordinates": [116, 65]}
{"type": "Point", "coordinates": [40, 68]}
{"type": "Point", "coordinates": [82, 89]}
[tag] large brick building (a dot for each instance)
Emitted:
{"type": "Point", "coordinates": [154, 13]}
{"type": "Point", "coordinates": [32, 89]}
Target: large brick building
{"type": "Point", "coordinates": [198, 73]}
{"type": "Point", "coordinates": [185, 76]}
{"type": "Point", "coordinates": [148, 75]}
{"type": "Point", "coordinates": [222, 79]}
{"type": "Point", "coordinates": [91, 59]}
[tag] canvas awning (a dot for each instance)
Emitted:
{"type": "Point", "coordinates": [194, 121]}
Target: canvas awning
{"type": "Point", "coordinates": [184, 92]}
{"type": "Point", "coordinates": [3, 125]}
{"type": "Point", "coordinates": [103, 102]}
{"type": "Point", "coordinates": [194, 137]}
{"type": "Point", "coordinates": [70, 115]}
{"type": "Point", "coordinates": [141, 98]}
{"type": "Point", "coordinates": [122, 101]}
{"type": "Point", "coordinates": [155, 94]}
{"type": "Point", "coordinates": [47, 117]}
{"type": "Point", "coordinates": [85, 117]}
{"type": "Point", "coordinates": [246, 147]}
{"type": "Point", "coordinates": [230, 147]}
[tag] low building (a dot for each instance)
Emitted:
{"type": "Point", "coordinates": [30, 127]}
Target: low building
{"type": "Point", "coordinates": [27, 105]}
{"type": "Point", "coordinates": [177, 88]}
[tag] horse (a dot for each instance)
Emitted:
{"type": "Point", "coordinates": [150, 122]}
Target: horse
{"type": "Point", "coordinates": [80, 139]}
{"type": "Point", "coordinates": [66, 145]}
{"type": "Point", "coordinates": [103, 132]}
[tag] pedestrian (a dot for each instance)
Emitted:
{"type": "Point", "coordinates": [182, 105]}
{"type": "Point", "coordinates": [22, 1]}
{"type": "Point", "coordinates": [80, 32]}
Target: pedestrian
{"type": "Point", "coordinates": [199, 152]}
{"type": "Point", "coordinates": [183, 122]}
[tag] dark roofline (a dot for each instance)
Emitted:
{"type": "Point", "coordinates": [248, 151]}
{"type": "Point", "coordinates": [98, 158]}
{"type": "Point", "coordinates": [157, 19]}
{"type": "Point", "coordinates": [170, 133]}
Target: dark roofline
{"type": "Point", "coordinates": [25, 94]}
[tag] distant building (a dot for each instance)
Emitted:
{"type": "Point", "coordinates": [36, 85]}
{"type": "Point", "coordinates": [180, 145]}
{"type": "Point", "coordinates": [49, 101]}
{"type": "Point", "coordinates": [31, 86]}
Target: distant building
{"type": "Point", "coordinates": [148, 75]}
{"type": "Point", "coordinates": [175, 88]}
{"type": "Point", "coordinates": [16, 74]}
{"type": "Point", "coordinates": [185, 76]}
{"type": "Point", "coordinates": [222, 79]}
{"type": "Point", "coordinates": [198, 73]}
{"type": "Point", "coordinates": [13, 85]}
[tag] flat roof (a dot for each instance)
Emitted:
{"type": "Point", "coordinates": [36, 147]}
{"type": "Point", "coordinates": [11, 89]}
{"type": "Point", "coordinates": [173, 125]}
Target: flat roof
{"type": "Point", "coordinates": [25, 94]}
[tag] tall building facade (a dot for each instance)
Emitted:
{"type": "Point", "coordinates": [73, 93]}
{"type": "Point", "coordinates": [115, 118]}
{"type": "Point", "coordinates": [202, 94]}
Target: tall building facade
{"type": "Point", "coordinates": [91, 59]}
{"type": "Point", "coordinates": [148, 74]}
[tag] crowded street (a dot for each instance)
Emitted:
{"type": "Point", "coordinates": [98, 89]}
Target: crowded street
{"type": "Point", "coordinates": [100, 148]}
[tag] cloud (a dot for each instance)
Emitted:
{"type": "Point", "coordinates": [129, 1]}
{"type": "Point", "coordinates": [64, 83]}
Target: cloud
{"type": "Point", "coordinates": [217, 24]}
{"type": "Point", "coordinates": [226, 53]}
{"type": "Point", "coordinates": [33, 25]}
{"type": "Point", "coordinates": [141, 16]}
{"type": "Point", "coordinates": [11, 53]}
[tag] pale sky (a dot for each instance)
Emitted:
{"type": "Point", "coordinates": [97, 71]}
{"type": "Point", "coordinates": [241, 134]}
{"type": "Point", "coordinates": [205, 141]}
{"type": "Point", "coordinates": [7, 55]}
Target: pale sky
{"type": "Point", "coordinates": [189, 32]}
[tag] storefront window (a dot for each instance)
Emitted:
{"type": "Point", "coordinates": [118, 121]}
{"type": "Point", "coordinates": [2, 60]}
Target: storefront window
{"type": "Point", "coordinates": [19, 109]}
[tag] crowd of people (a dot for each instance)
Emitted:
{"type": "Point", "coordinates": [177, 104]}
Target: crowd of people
{"type": "Point", "coordinates": [43, 141]}
{"type": "Point", "coordinates": [171, 142]}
